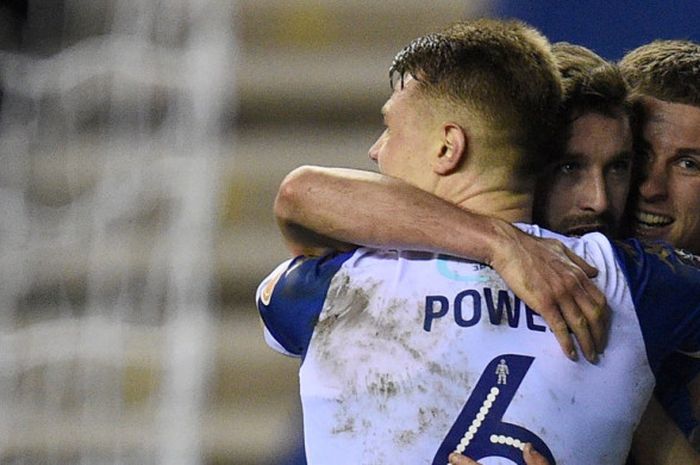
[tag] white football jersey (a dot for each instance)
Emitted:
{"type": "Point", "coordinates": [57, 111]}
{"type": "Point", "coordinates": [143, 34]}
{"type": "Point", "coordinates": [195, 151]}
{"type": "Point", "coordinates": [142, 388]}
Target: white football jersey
{"type": "Point", "coordinates": [407, 357]}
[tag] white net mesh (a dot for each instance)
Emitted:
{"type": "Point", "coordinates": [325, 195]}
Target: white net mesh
{"type": "Point", "coordinates": [110, 153]}
{"type": "Point", "coordinates": [128, 333]}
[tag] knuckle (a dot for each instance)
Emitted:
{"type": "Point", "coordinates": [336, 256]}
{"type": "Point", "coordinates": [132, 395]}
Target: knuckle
{"type": "Point", "coordinates": [580, 322]}
{"type": "Point", "coordinates": [601, 312]}
{"type": "Point", "coordinates": [598, 312]}
{"type": "Point", "coordinates": [572, 279]}
{"type": "Point", "coordinates": [595, 312]}
{"type": "Point", "coordinates": [559, 288]}
{"type": "Point", "coordinates": [558, 294]}
{"type": "Point", "coordinates": [559, 326]}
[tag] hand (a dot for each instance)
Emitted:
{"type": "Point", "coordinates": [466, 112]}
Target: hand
{"type": "Point", "coordinates": [555, 282]}
{"type": "Point", "coordinates": [531, 456]}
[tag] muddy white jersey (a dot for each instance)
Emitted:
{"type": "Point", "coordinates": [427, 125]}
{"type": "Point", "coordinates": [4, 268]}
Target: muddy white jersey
{"type": "Point", "coordinates": [407, 357]}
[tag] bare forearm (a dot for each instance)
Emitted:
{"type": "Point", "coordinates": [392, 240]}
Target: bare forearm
{"type": "Point", "coordinates": [658, 441]}
{"type": "Point", "coordinates": [329, 208]}
{"type": "Point", "coordinates": [370, 209]}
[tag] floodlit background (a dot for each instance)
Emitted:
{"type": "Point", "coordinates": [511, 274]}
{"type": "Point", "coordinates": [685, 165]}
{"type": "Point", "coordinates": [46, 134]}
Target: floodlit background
{"type": "Point", "coordinates": [141, 146]}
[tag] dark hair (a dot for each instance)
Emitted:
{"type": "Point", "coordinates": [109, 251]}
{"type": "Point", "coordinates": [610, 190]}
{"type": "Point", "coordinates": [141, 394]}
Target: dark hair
{"type": "Point", "coordinates": [589, 82]}
{"type": "Point", "coordinates": [501, 70]}
{"type": "Point", "coordinates": [665, 69]}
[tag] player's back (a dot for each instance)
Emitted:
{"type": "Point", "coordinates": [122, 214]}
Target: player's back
{"type": "Point", "coordinates": [415, 356]}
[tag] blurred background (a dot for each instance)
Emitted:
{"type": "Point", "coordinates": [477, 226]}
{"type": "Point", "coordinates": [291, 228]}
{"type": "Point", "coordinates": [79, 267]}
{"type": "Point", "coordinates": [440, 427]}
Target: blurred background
{"type": "Point", "coordinates": [141, 146]}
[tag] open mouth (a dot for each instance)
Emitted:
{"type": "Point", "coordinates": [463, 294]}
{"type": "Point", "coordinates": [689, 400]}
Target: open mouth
{"type": "Point", "coordinates": [652, 220]}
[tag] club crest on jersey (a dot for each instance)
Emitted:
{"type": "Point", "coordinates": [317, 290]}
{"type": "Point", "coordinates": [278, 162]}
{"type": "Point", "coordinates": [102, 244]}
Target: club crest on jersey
{"type": "Point", "coordinates": [502, 372]}
{"type": "Point", "coordinates": [444, 269]}
{"type": "Point", "coordinates": [688, 258]}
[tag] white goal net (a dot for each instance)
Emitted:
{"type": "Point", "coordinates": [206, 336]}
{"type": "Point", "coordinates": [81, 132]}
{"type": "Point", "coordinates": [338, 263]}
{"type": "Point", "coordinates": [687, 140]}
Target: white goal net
{"type": "Point", "coordinates": [111, 144]}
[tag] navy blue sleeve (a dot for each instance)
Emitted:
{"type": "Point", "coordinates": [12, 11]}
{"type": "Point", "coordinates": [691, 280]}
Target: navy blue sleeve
{"type": "Point", "coordinates": [291, 311]}
{"type": "Point", "coordinates": [666, 295]}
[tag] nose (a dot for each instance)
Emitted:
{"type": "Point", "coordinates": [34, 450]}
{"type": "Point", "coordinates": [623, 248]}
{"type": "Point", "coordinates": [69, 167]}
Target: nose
{"type": "Point", "coordinates": [376, 147]}
{"type": "Point", "coordinates": [594, 197]}
{"type": "Point", "coordinates": [654, 184]}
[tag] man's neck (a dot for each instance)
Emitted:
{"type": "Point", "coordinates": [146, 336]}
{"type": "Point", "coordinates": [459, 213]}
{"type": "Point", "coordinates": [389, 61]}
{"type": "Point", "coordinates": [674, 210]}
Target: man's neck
{"type": "Point", "coordinates": [507, 206]}
{"type": "Point", "coordinates": [495, 197]}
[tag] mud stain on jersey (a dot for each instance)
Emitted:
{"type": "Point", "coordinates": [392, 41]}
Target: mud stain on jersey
{"type": "Point", "coordinates": [345, 419]}
{"type": "Point", "coordinates": [383, 386]}
{"type": "Point", "coordinates": [404, 438]}
{"type": "Point", "coordinates": [347, 426]}
{"type": "Point", "coordinates": [371, 343]}
{"type": "Point", "coordinates": [348, 304]}
{"type": "Point", "coordinates": [426, 417]}
{"type": "Point", "coordinates": [455, 377]}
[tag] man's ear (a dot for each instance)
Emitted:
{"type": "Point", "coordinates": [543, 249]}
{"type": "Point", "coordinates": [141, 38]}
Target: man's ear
{"type": "Point", "coordinates": [453, 151]}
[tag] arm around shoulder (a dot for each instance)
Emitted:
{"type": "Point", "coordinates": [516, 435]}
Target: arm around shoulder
{"type": "Point", "coordinates": [306, 208]}
{"type": "Point", "coordinates": [319, 207]}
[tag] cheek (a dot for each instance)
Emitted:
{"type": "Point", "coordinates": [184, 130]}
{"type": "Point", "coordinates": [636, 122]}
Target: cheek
{"type": "Point", "coordinates": [386, 159]}
{"type": "Point", "coordinates": [687, 201]}
{"type": "Point", "coordinates": [554, 207]}
{"type": "Point", "coordinates": [618, 197]}
{"type": "Point", "coordinates": [688, 234]}
{"type": "Point", "coordinates": [560, 192]}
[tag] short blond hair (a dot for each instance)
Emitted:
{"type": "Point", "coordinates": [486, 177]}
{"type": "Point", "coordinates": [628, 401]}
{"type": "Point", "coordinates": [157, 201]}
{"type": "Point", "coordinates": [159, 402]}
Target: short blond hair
{"type": "Point", "coordinates": [665, 69]}
{"type": "Point", "coordinates": [502, 71]}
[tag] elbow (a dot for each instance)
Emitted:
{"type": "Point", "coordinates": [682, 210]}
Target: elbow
{"type": "Point", "coordinates": [291, 194]}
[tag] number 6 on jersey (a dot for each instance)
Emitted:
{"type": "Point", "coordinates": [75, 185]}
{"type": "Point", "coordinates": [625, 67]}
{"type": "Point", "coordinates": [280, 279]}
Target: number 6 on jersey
{"type": "Point", "coordinates": [479, 431]}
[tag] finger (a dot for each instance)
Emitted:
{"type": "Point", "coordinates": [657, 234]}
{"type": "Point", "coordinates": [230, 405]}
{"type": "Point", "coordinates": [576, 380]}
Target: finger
{"type": "Point", "coordinates": [459, 459]}
{"type": "Point", "coordinates": [587, 268]}
{"type": "Point", "coordinates": [594, 293]}
{"type": "Point", "coordinates": [555, 320]}
{"type": "Point", "coordinates": [579, 326]}
{"type": "Point", "coordinates": [606, 333]}
{"type": "Point", "coordinates": [532, 457]}
{"type": "Point", "coordinates": [591, 303]}
{"type": "Point", "coordinates": [597, 322]}
{"type": "Point", "coordinates": [594, 307]}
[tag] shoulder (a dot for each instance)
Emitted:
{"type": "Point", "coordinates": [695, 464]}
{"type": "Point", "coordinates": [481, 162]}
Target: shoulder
{"type": "Point", "coordinates": [290, 299]}
{"type": "Point", "coordinates": [594, 247]}
{"type": "Point", "coordinates": [657, 260]}
{"type": "Point", "coordinates": [665, 290]}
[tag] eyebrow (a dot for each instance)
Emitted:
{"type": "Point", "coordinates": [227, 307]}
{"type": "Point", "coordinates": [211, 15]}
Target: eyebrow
{"type": "Point", "coordinates": [571, 156]}
{"type": "Point", "coordinates": [577, 156]}
{"type": "Point", "coordinates": [685, 152]}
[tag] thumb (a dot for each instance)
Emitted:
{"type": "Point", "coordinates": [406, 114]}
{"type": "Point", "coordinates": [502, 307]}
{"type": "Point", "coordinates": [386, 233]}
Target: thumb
{"type": "Point", "coordinates": [590, 270]}
{"type": "Point", "coordinates": [459, 459]}
{"type": "Point", "coordinates": [532, 457]}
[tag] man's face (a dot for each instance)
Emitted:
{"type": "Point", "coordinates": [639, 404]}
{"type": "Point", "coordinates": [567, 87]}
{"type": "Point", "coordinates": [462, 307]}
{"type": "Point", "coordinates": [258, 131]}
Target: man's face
{"type": "Point", "coordinates": [587, 190]}
{"type": "Point", "coordinates": [669, 194]}
{"type": "Point", "coordinates": [402, 149]}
